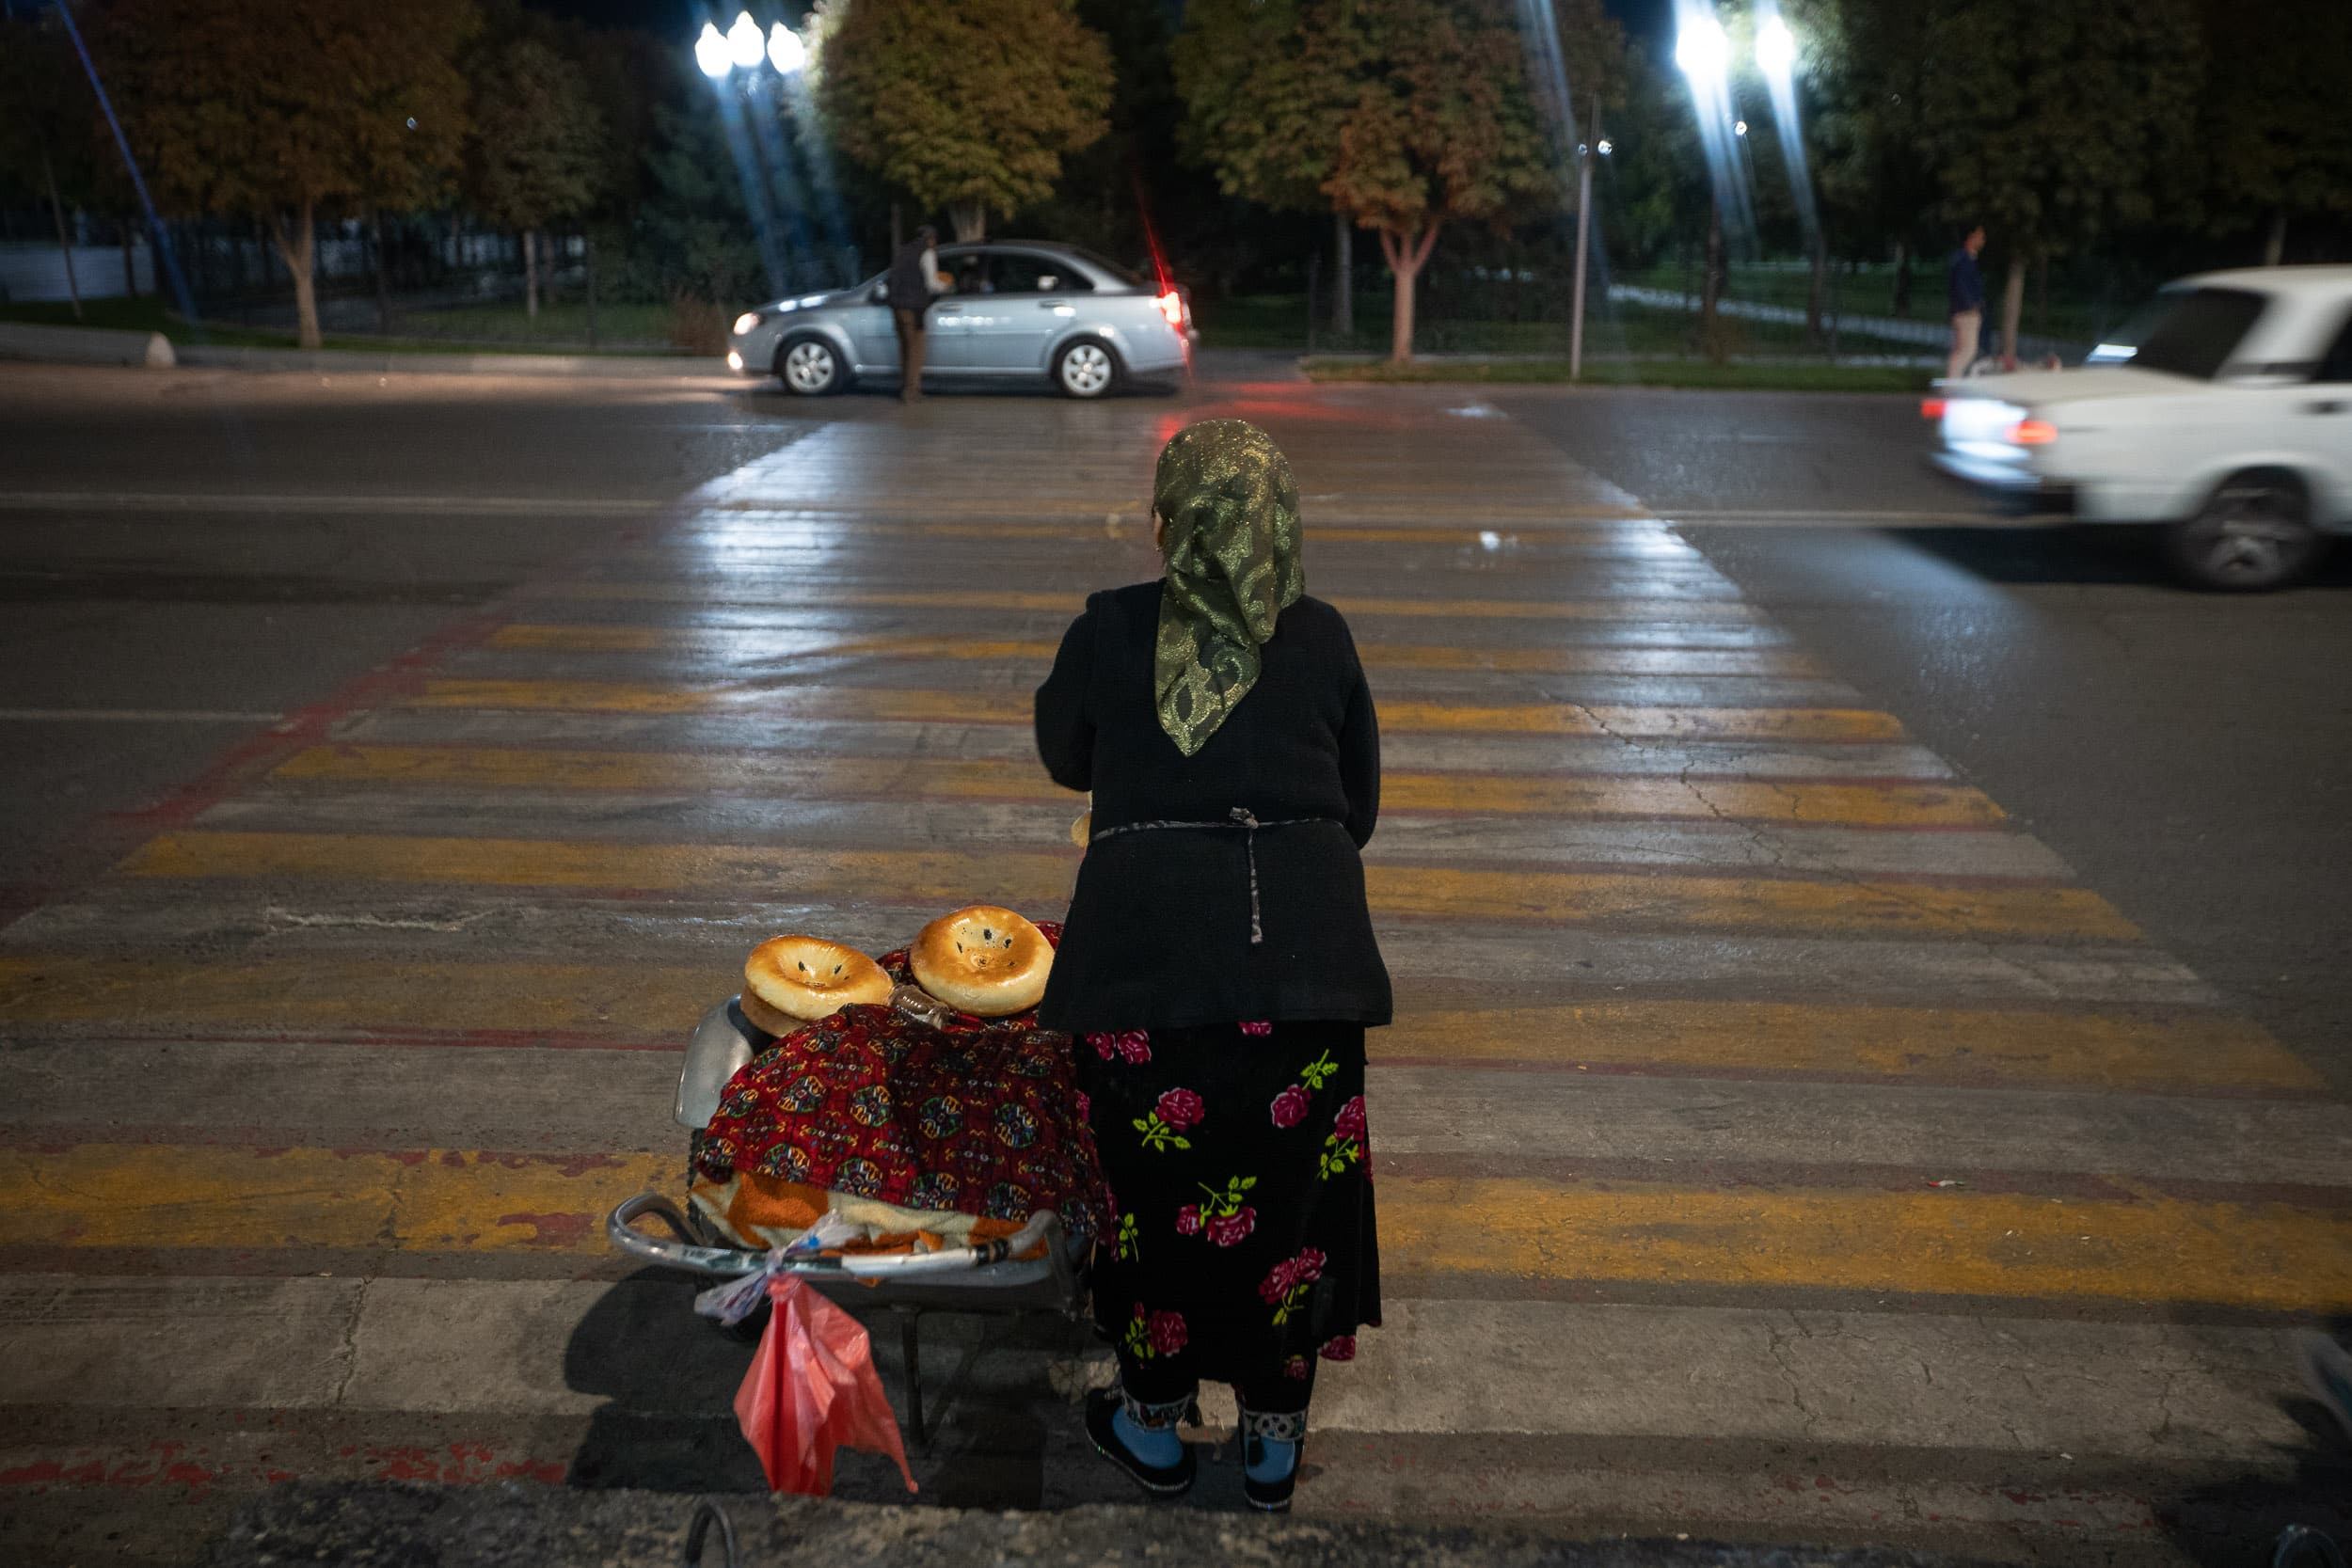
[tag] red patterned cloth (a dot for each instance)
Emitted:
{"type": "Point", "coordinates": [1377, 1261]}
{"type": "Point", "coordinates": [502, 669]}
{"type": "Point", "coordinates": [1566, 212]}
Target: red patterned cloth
{"type": "Point", "coordinates": [982, 1117]}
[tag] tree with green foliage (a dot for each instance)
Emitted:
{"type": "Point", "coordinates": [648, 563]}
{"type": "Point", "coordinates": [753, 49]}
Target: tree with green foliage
{"type": "Point", "coordinates": [968, 105]}
{"type": "Point", "coordinates": [1405, 115]}
{"type": "Point", "coordinates": [2274, 140]}
{"type": "Point", "coordinates": [289, 113]}
{"type": "Point", "coordinates": [538, 145]}
{"type": "Point", "coordinates": [2054, 122]}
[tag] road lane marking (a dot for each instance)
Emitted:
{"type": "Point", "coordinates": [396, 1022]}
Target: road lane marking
{"type": "Point", "coordinates": [132, 716]}
{"type": "Point", "coordinates": [653, 1005]}
{"type": "Point", "coordinates": [2146, 1246]}
{"type": "Point", "coordinates": [344, 1094]}
{"type": "Point", "coordinates": [784, 596]}
{"type": "Point", "coordinates": [909, 705]}
{"type": "Point", "coordinates": [1892, 804]}
{"type": "Point", "coordinates": [768, 648]}
{"type": "Point", "coordinates": [1880, 908]}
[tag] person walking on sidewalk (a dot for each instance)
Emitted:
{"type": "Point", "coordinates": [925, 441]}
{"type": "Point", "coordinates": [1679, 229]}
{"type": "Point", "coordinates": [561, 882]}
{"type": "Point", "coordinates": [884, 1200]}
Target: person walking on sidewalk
{"type": "Point", "coordinates": [914, 279]}
{"type": "Point", "coordinates": [1967, 292]}
{"type": "Point", "coordinates": [1219, 966]}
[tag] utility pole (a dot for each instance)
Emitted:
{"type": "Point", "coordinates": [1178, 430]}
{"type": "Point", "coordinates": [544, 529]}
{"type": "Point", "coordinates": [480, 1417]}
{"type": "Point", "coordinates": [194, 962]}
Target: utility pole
{"type": "Point", "coordinates": [1584, 156]}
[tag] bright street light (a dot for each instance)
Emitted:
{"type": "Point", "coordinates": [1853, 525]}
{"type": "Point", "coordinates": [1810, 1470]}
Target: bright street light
{"type": "Point", "coordinates": [710, 53]}
{"type": "Point", "coordinates": [744, 45]}
{"type": "Point", "coordinates": [786, 51]}
{"type": "Point", "coordinates": [1740, 128]}
{"type": "Point", "coordinates": [1607, 148]}
{"type": "Point", "coordinates": [1776, 48]}
{"type": "Point", "coordinates": [1703, 49]}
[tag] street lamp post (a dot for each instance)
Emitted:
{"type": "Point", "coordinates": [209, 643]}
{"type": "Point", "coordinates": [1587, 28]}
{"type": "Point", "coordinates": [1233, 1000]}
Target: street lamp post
{"type": "Point", "coordinates": [1596, 148]}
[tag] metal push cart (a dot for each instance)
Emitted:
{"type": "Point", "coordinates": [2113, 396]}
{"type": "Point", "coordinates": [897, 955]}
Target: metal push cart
{"type": "Point", "coordinates": [989, 1278]}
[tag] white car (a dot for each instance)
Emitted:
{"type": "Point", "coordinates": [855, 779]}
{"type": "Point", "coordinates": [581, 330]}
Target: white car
{"type": "Point", "coordinates": [2223, 410]}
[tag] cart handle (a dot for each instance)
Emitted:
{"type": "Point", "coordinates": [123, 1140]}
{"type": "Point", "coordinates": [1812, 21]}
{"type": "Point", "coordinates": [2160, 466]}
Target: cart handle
{"type": "Point", "coordinates": [684, 1253]}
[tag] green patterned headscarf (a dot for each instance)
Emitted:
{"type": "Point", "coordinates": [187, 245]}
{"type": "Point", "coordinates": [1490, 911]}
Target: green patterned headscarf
{"type": "Point", "coordinates": [1231, 509]}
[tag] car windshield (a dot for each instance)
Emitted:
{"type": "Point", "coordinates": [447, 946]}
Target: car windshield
{"type": "Point", "coordinates": [2189, 332]}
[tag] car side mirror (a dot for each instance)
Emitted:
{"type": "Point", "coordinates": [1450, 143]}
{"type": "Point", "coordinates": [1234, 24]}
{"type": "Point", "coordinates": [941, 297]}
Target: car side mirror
{"type": "Point", "coordinates": [880, 294]}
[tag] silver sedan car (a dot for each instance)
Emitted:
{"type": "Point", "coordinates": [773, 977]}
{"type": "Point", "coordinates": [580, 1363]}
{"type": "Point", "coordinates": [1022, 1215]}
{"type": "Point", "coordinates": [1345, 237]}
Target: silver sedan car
{"type": "Point", "coordinates": [1018, 309]}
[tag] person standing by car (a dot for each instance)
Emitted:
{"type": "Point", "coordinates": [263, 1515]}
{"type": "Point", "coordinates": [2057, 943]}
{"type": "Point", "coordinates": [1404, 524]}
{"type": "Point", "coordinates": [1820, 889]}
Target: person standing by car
{"type": "Point", "coordinates": [1219, 966]}
{"type": "Point", "coordinates": [1967, 292]}
{"type": "Point", "coordinates": [914, 279]}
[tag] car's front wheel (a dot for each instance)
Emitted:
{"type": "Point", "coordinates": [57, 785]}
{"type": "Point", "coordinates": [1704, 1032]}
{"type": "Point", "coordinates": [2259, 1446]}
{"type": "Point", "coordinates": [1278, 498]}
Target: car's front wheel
{"type": "Point", "coordinates": [810, 367]}
{"type": "Point", "coordinates": [2254, 534]}
{"type": "Point", "coordinates": [1085, 368]}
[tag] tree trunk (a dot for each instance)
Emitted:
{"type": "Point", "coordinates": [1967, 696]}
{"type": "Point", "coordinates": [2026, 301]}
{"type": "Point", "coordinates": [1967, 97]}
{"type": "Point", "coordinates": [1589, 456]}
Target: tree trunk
{"type": "Point", "coordinates": [1712, 283]}
{"type": "Point", "coordinates": [1343, 277]}
{"type": "Point", "coordinates": [2275, 247]}
{"type": "Point", "coordinates": [130, 260]}
{"type": "Point", "coordinates": [2012, 306]}
{"type": "Point", "coordinates": [969, 219]}
{"type": "Point", "coordinates": [383, 278]}
{"type": "Point", "coordinates": [1406, 255]}
{"type": "Point", "coordinates": [1903, 280]}
{"type": "Point", "coordinates": [588, 261]}
{"type": "Point", "coordinates": [299, 249]}
{"type": "Point", "coordinates": [65, 243]}
{"type": "Point", "coordinates": [1813, 294]}
{"type": "Point", "coordinates": [531, 274]}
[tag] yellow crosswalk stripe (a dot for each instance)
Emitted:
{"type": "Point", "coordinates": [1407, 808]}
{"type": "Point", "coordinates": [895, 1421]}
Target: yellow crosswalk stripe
{"type": "Point", "coordinates": [544, 638]}
{"type": "Point", "coordinates": [1914, 805]}
{"type": "Point", "coordinates": [1711, 612]}
{"type": "Point", "coordinates": [1739, 903]}
{"type": "Point", "coordinates": [2138, 1246]}
{"type": "Point", "coordinates": [2171, 1052]}
{"type": "Point", "coordinates": [905, 706]}
{"type": "Point", "coordinates": [2181, 1049]}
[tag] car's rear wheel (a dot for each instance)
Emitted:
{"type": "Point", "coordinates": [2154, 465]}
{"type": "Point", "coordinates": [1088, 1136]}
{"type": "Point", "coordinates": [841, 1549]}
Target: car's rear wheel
{"type": "Point", "coordinates": [1085, 368]}
{"type": "Point", "coordinates": [2254, 534]}
{"type": "Point", "coordinates": [810, 368]}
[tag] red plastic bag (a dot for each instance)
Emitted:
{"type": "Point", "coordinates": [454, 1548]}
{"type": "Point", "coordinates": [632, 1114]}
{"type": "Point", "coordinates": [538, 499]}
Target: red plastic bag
{"type": "Point", "coordinates": [813, 1389]}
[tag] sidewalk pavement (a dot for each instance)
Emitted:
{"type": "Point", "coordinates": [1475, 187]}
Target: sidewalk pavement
{"type": "Point", "coordinates": [546, 1526]}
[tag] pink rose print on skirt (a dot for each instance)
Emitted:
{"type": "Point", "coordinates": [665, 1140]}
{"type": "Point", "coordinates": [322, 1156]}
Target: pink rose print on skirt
{"type": "Point", "coordinates": [1341, 1347]}
{"type": "Point", "coordinates": [1257, 1030]}
{"type": "Point", "coordinates": [1188, 1220]}
{"type": "Point", "coordinates": [1105, 1046]}
{"type": "Point", "coordinates": [1085, 1104]}
{"type": "Point", "coordinates": [1135, 1046]}
{"type": "Point", "coordinates": [1350, 1122]}
{"type": "Point", "coordinates": [1296, 1368]}
{"type": "Point", "coordinates": [1287, 1283]}
{"type": "Point", "coordinates": [1234, 1228]}
{"type": "Point", "coordinates": [1290, 1107]}
{"type": "Point", "coordinates": [1181, 1109]}
{"type": "Point", "coordinates": [1168, 1332]}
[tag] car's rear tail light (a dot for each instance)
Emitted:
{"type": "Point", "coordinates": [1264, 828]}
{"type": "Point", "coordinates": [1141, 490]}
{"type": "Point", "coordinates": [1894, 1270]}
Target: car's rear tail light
{"type": "Point", "coordinates": [1171, 305]}
{"type": "Point", "coordinates": [2032, 432]}
{"type": "Point", "coordinates": [1930, 408]}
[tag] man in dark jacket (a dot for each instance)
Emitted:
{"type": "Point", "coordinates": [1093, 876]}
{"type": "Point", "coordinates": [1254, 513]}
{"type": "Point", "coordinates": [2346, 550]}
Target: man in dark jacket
{"type": "Point", "coordinates": [1967, 291]}
{"type": "Point", "coordinates": [914, 279]}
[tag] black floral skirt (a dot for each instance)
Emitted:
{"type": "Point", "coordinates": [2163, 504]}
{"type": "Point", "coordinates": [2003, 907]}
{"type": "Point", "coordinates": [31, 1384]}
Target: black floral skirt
{"type": "Point", "coordinates": [1239, 1244]}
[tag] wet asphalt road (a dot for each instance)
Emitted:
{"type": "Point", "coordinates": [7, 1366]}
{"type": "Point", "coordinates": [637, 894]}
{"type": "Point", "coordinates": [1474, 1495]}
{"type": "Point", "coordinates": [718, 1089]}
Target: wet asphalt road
{"type": "Point", "coordinates": [236, 550]}
{"type": "Point", "coordinates": [2188, 753]}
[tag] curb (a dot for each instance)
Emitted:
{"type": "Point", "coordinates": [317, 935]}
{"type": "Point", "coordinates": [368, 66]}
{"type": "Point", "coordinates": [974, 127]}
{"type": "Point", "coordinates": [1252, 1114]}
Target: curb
{"type": "Point", "coordinates": [355, 362]}
{"type": "Point", "coordinates": [86, 345]}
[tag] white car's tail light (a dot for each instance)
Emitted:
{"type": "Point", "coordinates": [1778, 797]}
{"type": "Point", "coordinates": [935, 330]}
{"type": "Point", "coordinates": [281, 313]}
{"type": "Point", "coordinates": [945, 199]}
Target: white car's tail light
{"type": "Point", "coordinates": [2032, 432]}
{"type": "Point", "coordinates": [1171, 305]}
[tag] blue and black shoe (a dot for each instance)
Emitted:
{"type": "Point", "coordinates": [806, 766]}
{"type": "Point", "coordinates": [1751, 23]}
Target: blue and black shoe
{"type": "Point", "coordinates": [1161, 1481]}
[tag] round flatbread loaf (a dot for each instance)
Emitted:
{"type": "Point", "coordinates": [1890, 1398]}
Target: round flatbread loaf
{"type": "Point", "coordinates": [808, 977]}
{"type": "Point", "coordinates": [984, 960]}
